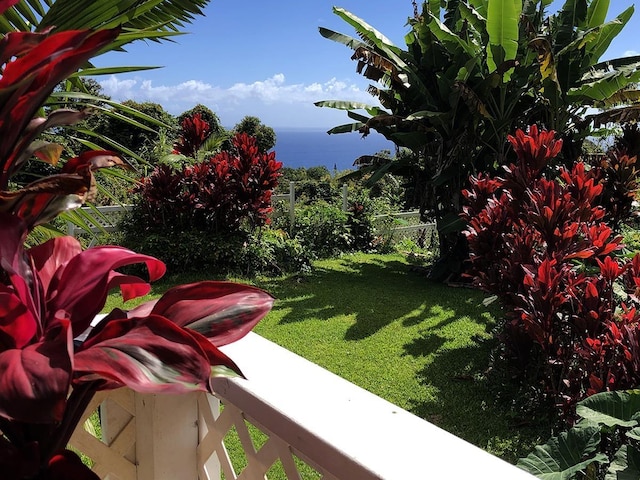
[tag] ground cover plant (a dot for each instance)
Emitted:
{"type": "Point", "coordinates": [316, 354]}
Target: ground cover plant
{"type": "Point", "coordinates": [603, 444]}
{"type": "Point", "coordinates": [424, 346]}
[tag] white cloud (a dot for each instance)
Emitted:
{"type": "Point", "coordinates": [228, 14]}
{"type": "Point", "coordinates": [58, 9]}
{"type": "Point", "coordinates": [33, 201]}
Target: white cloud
{"type": "Point", "coordinates": [272, 99]}
{"type": "Point", "coordinates": [630, 53]}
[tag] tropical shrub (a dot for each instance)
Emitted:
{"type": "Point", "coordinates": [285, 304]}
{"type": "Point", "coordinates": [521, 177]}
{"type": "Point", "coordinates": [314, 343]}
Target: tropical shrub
{"type": "Point", "coordinates": [273, 252]}
{"type": "Point", "coordinates": [539, 242]}
{"type": "Point", "coordinates": [472, 72]}
{"type": "Point", "coordinates": [204, 215]}
{"type": "Point", "coordinates": [323, 229]}
{"type": "Point", "coordinates": [53, 357]}
{"type": "Point", "coordinates": [219, 195]}
{"type": "Point", "coordinates": [604, 444]}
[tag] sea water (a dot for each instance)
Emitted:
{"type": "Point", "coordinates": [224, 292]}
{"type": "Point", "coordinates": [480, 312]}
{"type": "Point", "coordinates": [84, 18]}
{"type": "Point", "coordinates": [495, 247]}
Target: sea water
{"type": "Point", "coordinates": [310, 148]}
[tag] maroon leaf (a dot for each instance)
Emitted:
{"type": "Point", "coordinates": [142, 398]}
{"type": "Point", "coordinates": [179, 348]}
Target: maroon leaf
{"type": "Point", "coordinates": [66, 465]}
{"type": "Point", "coordinates": [29, 79]}
{"type": "Point", "coordinates": [43, 200]}
{"type": "Point", "coordinates": [149, 355]}
{"type": "Point", "coordinates": [51, 255]}
{"type": "Point", "coordinates": [90, 274]}
{"type": "Point", "coordinates": [18, 464]}
{"type": "Point", "coordinates": [17, 324]}
{"type": "Point", "coordinates": [6, 4]}
{"type": "Point", "coordinates": [35, 380]}
{"type": "Point", "coordinates": [221, 311]}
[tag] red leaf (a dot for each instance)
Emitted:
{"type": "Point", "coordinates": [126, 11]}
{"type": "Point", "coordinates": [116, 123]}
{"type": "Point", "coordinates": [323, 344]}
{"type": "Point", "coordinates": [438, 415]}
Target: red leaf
{"type": "Point", "coordinates": [90, 275]}
{"type": "Point", "coordinates": [66, 465]}
{"type": "Point", "coordinates": [149, 355]}
{"type": "Point", "coordinates": [48, 257]}
{"type": "Point", "coordinates": [35, 380]}
{"type": "Point", "coordinates": [31, 78]}
{"type": "Point", "coordinates": [221, 311]}
{"type": "Point", "coordinates": [17, 324]}
{"type": "Point", "coordinates": [6, 4]}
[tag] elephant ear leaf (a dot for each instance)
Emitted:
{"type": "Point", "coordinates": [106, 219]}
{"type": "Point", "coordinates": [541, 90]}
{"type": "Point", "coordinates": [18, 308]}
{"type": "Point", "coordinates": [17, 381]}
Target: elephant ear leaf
{"type": "Point", "coordinates": [565, 455]}
{"type": "Point", "coordinates": [625, 465]}
{"type": "Point", "coordinates": [611, 408]}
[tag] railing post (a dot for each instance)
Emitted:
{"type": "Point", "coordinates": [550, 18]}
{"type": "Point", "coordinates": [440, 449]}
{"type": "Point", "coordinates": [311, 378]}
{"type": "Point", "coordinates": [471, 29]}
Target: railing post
{"type": "Point", "coordinates": [345, 192]}
{"type": "Point", "coordinates": [167, 436]}
{"type": "Point", "coordinates": [292, 205]}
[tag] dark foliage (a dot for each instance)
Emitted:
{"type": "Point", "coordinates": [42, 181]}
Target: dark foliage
{"type": "Point", "coordinates": [216, 196]}
{"type": "Point", "coordinates": [544, 248]}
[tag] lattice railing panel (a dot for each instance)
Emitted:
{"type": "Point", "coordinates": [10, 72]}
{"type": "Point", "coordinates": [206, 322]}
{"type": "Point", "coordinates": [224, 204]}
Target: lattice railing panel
{"type": "Point", "coordinates": [113, 456]}
{"type": "Point", "coordinates": [300, 430]}
{"type": "Point", "coordinates": [260, 456]}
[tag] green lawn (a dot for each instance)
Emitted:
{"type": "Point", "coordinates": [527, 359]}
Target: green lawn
{"type": "Point", "coordinates": [421, 345]}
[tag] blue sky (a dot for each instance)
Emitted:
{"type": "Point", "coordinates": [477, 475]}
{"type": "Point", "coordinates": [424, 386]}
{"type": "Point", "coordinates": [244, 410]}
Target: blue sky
{"type": "Point", "coordinates": [267, 59]}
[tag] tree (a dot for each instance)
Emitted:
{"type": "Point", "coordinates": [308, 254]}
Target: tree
{"type": "Point", "coordinates": [200, 135]}
{"type": "Point", "coordinates": [265, 136]}
{"type": "Point", "coordinates": [471, 73]}
{"type": "Point", "coordinates": [207, 115]}
{"type": "Point", "coordinates": [150, 143]}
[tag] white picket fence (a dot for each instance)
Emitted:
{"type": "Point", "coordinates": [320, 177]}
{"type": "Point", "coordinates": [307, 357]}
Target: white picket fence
{"type": "Point", "coordinates": [104, 219]}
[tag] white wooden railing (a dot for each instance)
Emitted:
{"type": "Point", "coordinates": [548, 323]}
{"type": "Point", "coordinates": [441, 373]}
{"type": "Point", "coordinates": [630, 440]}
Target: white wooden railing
{"type": "Point", "coordinates": [309, 415]}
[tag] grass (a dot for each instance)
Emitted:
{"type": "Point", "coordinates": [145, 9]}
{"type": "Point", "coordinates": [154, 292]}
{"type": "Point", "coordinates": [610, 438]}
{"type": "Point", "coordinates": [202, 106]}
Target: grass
{"type": "Point", "coordinates": [421, 345]}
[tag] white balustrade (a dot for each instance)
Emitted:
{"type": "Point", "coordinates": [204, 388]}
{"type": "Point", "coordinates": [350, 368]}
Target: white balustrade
{"type": "Point", "coordinates": [308, 414]}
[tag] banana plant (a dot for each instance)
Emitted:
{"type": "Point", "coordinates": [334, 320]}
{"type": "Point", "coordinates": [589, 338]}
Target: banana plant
{"type": "Point", "coordinates": [472, 72]}
{"type": "Point", "coordinates": [449, 97]}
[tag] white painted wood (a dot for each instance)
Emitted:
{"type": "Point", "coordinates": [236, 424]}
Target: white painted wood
{"type": "Point", "coordinates": [349, 432]}
{"type": "Point", "coordinates": [341, 430]}
{"type": "Point", "coordinates": [167, 436]}
{"type": "Point", "coordinates": [209, 467]}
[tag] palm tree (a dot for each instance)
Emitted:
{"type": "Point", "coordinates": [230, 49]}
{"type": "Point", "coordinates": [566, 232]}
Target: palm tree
{"type": "Point", "coordinates": [152, 20]}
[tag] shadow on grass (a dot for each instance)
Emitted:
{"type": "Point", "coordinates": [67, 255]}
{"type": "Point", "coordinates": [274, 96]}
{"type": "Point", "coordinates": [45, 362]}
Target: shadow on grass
{"type": "Point", "coordinates": [375, 293]}
{"type": "Point", "coordinates": [465, 404]}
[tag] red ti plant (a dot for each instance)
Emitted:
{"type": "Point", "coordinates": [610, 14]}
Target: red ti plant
{"type": "Point", "coordinates": [543, 247]}
{"type": "Point", "coordinates": [52, 360]}
{"type": "Point", "coordinates": [216, 195]}
{"type": "Point", "coordinates": [194, 132]}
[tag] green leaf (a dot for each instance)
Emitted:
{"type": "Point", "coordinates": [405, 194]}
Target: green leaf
{"type": "Point", "coordinates": [344, 105]}
{"type": "Point", "coordinates": [565, 455]}
{"type": "Point", "coordinates": [350, 42]}
{"type": "Point", "coordinates": [597, 12]}
{"type": "Point", "coordinates": [619, 408]}
{"type": "Point", "coordinates": [451, 223]}
{"type": "Point", "coordinates": [346, 128]}
{"type": "Point", "coordinates": [450, 39]}
{"type": "Point", "coordinates": [634, 433]}
{"type": "Point", "coordinates": [371, 35]}
{"type": "Point", "coordinates": [625, 465]}
{"type": "Point", "coordinates": [608, 32]}
{"type": "Point", "coordinates": [503, 17]}
{"type": "Point", "coordinates": [95, 71]}
{"type": "Point", "coordinates": [606, 87]}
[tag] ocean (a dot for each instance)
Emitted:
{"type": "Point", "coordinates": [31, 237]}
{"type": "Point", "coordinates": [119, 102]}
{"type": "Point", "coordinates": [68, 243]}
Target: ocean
{"type": "Point", "coordinates": [311, 148]}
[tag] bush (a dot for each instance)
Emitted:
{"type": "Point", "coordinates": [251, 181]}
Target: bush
{"type": "Point", "coordinates": [273, 252]}
{"type": "Point", "coordinates": [323, 229]}
{"type": "Point", "coordinates": [217, 196]}
{"type": "Point", "coordinates": [266, 251]}
{"type": "Point", "coordinates": [542, 247]}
